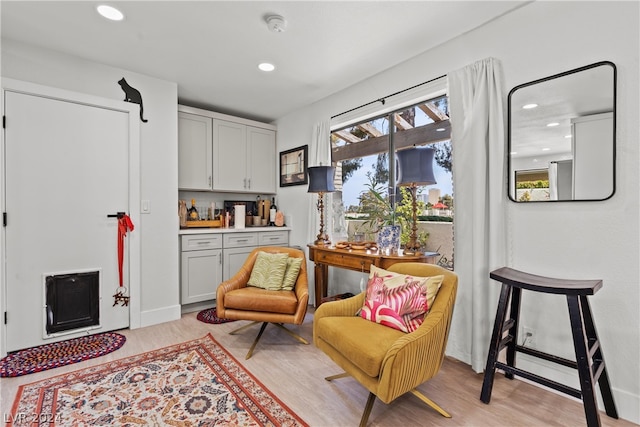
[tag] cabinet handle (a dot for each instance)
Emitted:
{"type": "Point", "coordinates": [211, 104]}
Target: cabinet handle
{"type": "Point", "coordinates": [249, 181]}
{"type": "Point", "coordinates": [244, 183]}
{"type": "Point", "coordinates": [242, 240]}
{"type": "Point", "coordinates": [203, 243]}
{"type": "Point", "coordinates": [210, 181]}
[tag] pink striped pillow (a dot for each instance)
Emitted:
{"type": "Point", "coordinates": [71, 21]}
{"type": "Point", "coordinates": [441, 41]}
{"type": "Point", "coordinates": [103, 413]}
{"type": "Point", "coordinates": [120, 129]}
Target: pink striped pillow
{"type": "Point", "coordinates": [397, 300]}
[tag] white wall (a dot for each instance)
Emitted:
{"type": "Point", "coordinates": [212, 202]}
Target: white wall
{"type": "Point", "coordinates": [158, 152]}
{"type": "Point", "coordinates": [567, 240]}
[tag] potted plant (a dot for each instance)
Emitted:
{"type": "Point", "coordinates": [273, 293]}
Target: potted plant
{"type": "Point", "coordinates": [382, 216]}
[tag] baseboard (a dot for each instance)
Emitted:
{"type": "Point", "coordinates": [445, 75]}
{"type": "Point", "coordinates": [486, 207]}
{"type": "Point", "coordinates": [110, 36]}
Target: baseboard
{"type": "Point", "coordinates": [159, 315]}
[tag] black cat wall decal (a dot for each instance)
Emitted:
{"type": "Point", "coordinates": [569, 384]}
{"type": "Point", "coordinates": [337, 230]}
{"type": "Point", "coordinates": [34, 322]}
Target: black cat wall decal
{"type": "Point", "coordinates": [131, 94]}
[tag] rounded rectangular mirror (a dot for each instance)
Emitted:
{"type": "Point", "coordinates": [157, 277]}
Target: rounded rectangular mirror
{"type": "Point", "coordinates": [561, 136]}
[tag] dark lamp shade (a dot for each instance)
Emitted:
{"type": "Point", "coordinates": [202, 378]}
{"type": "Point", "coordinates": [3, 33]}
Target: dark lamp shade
{"type": "Point", "coordinates": [321, 179]}
{"type": "Point", "coordinates": [415, 166]}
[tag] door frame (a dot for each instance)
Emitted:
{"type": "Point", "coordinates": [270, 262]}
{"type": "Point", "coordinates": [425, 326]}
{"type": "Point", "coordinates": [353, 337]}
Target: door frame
{"type": "Point", "coordinates": [133, 239]}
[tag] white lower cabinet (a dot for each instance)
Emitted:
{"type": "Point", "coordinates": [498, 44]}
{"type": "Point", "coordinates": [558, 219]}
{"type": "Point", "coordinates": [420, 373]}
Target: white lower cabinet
{"type": "Point", "coordinates": [201, 267]}
{"type": "Point", "coordinates": [209, 259]}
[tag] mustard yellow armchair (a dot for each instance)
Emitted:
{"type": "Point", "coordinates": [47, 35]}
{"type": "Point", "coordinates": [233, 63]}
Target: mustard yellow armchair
{"type": "Point", "coordinates": [236, 300]}
{"type": "Point", "coordinates": [384, 360]}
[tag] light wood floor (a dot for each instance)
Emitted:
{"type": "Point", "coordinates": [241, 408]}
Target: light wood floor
{"type": "Point", "coordinates": [295, 373]}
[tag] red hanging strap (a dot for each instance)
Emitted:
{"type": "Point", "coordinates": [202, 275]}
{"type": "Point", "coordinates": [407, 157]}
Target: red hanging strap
{"type": "Point", "coordinates": [124, 225]}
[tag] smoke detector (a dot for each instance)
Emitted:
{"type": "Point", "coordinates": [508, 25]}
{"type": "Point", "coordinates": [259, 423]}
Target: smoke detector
{"type": "Point", "coordinates": [276, 23]}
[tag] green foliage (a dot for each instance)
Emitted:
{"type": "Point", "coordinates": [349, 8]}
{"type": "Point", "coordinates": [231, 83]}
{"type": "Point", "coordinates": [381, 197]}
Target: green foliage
{"type": "Point", "coordinates": [532, 184]}
{"type": "Point", "coordinates": [349, 167]}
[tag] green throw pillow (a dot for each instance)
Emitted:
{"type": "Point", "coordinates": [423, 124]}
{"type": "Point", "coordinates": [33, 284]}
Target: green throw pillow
{"type": "Point", "coordinates": [268, 271]}
{"type": "Point", "coordinates": [291, 274]}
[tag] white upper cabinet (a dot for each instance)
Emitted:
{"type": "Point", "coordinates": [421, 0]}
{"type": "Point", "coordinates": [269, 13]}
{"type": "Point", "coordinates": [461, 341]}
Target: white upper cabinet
{"type": "Point", "coordinates": [195, 157]}
{"type": "Point", "coordinates": [224, 153]}
{"type": "Point", "coordinates": [261, 160]}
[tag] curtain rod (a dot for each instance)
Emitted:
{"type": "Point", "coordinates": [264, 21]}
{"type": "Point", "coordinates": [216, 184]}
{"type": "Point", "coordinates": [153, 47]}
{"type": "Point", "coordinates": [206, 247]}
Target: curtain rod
{"type": "Point", "coordinates": [382, 100]}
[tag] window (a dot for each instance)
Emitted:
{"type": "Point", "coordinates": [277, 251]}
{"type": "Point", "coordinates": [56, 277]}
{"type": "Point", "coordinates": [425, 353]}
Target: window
{"type": "Point", "coordinates": [361, 154]}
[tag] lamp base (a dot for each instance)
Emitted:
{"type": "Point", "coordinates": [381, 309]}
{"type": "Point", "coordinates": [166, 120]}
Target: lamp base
{"type": "Point", "coordinates": [322, 241]}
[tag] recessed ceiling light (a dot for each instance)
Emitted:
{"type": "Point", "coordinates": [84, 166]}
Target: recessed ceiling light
{"type": "Point", "coordinates": [440, 130]}
{"type": "Point", "coordinates": [265, 66]}
{"type": "Point", "coordinates": [110, 12]}
{"type": "Point", "coordinates": [529, 106]}
{"type": "Point", "coordinates": [553, 124]}
{"type": "Point", "coordinates": [568, 136]}
{"type": "Point", "coordinates": [546, 149]}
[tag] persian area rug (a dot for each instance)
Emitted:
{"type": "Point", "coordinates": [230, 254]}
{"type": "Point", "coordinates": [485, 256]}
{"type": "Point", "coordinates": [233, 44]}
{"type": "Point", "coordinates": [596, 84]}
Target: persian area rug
{"type": "Point", "coordinates": [210, 316]}
{"type": "Point", "coordinates": [61, 353]}
{"type": "Point", "coordinates": [196, 383]}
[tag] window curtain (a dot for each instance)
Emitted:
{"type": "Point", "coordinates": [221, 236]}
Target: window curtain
{"type": "Point", "coordinates": [476, 103]}
{"type": "Point", "coordinates": [319, 155]}
{"type": "Point", "coordinates": [553, 181]}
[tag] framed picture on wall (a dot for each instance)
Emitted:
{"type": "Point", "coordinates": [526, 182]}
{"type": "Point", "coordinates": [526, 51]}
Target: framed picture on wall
{"type": "Point", "coordinates": [293, 166]}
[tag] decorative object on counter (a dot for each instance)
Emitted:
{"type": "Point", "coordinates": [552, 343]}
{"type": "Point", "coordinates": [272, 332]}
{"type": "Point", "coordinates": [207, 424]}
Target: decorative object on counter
{"type": "Point", "coordinates": [415, 168]}
{"type": "Point", "coordinates": [238, 216]}
{"type": "Point", "coordinates": [133, 95]}
{"type": "Point", "coordinates": [272, 212]}
{"type": "Point", "coordinates": [267, 208]}
{"type": "Point", "coordinates": [279, 221]}
{"type": "Point", "coordinates": [293, 166]}
{"type": "Point", "coordinates": [321, 181]}
{"type": "Point", "coordinates": [193, 212]}
{"type": "Point", "coordinates": [182, 213]}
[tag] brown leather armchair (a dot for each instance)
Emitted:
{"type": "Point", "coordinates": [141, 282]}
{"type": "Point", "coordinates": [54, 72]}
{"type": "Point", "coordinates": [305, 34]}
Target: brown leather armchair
{"type": "Point", "coordinates": [386, 361]}
{"type": "Point", "coordinates": [236, 300]}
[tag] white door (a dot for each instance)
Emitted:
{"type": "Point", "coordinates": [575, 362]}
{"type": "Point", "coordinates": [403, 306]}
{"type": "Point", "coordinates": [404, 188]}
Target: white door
{"type": "Point", "coordinates": [66, 169]}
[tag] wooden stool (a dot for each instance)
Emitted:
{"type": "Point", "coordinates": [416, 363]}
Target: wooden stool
{"type": "Point", "coordinates": [590, 361]}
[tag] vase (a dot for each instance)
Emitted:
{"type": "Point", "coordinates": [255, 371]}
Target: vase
{"type": "Point", "coordinates": [389, 238]}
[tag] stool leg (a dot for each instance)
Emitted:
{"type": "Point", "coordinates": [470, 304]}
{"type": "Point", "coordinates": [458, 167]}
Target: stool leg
{"type": "Point", "coordinates": [592, 337]}
{"type": "Point", "coordinates": [494, 345]}
{"type": "Point", "coordinates": [582, 357]}
{"type": "Point", "coordinates": [513, 331]}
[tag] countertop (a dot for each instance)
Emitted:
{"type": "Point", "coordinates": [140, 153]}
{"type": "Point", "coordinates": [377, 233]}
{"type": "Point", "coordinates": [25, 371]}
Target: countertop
{"type": "Point", "coordinates": [205, 230]}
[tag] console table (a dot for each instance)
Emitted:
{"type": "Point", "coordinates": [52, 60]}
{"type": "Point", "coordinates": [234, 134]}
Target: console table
{"type": "Point", "coordinates": [356, 260]}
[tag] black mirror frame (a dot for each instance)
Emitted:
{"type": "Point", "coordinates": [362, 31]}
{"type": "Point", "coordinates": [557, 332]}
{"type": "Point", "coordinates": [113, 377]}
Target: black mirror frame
{"type": "Point", "coordinates": [614, 136]}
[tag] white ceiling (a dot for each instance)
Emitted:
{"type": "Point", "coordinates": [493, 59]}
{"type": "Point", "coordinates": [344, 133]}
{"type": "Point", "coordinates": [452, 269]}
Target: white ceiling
{"type": "Point", "coordinates": [212, 48]}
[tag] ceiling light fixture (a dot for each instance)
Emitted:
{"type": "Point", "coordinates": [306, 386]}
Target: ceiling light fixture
{"type": "Point", "coordinates": [529, 106]}
{"type": "Point", "coordinates": [110, 12]}
{"type": "Point", "coordinates": [276, 23]}
{"type": "Point", "coordinates": [266, 66]}
{"type": "Point", "coordinates": [553, 124]}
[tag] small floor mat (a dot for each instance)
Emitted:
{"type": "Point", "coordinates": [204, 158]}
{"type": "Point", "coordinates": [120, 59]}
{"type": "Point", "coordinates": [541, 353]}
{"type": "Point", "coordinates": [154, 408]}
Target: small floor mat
{"type": "Point", "coordinates": [210, 316]}
{"type": "Point", "coordinates": [49, 356]}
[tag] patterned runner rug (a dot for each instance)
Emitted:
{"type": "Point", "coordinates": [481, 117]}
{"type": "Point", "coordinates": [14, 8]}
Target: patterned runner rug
{"type": "Point", "coordinates": [196, 383]}
{"type": "Point", "coordinates": [210, 315]}
{"type": "Point", "coordinates": [61, 353]}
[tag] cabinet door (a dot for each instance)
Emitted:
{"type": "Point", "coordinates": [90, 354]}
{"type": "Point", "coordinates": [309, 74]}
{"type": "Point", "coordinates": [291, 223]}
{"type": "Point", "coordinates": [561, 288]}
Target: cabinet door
{"type": "Point", "coordinates": [194, 152]}
{"type": "Point", "coordinates": [201, 275]}
{"type": "Point", "coordinates": [229, 156]}
{"type": "Point", "coordinates": [261, 149]}
{"type": "Point", "coordinates": [234, 258]}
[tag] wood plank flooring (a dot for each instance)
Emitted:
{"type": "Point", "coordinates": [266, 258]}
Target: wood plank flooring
{"type": "Point", "coordinates": [295, 373]}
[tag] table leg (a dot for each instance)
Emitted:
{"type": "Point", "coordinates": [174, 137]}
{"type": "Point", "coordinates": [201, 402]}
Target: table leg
{"type": "Point", "coordinates": [321, 273]}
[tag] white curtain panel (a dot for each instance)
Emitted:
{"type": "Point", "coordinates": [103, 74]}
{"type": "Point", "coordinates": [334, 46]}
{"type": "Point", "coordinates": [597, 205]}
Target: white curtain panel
{"type": "Point", "coordinates": [553, 181]}
{"type": "Point", "coordinates": [319, 155]}
{"type": "Point", "coordinates": [476, 104]}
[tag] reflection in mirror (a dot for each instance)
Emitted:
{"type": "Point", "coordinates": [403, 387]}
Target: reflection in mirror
{"type": "Point", "coordinates": [562, 136]}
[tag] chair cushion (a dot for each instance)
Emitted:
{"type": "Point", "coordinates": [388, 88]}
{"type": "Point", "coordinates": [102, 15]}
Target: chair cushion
{"type": "Point", "coordinates": [257, 299]}
{"type": "Point", "coordinates": [362, 342]}
{"type": "Point", "coordinates": [291, 273]}
{"type": "Point", "coordinates": [399, 301]}
{"type": "Point", "coordinates": [268, 270]}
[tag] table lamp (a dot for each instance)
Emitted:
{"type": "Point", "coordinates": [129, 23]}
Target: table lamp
{"type": "Point", "coordinates": [415, 168]}
{"type": "Point", "coordinates": [321, 181]}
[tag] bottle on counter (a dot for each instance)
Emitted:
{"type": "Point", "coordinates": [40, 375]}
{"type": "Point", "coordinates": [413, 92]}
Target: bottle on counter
{"type": "Point", "coordinates": [272, 212]}
{"type": "Point", "coordinates": [192, 213]}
